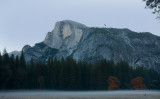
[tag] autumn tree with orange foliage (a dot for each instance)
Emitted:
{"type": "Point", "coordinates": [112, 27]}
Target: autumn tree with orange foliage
{"type": "Point", "coordinates": [137, 83]}
{"type": "Point", "coordinates": [113, 83]}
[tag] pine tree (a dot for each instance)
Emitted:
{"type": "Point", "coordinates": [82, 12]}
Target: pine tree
{"type": "Point", "coordinates": [4, 51]}
{"type": "Point", "coordinates": [5, 57]}
{"type": "Point", "coordinates": [0, 59]}
{"type": "Point", "coordinates": [17, 62]}
{"type": "Point", "coordinates": [32, 62]}
{"type": "Point", "coordinates": [22, 61]}
{"type": "Point", "coordinates": [5, 71]}
{"type": "Point", "coordinates": [12, 62]}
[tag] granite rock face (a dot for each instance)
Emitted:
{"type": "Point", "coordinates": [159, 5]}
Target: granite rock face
{"type": "Point", "coordinates": [138, 49]}
{"type": "Point", "coordinates": [89, 44]}
{"type": "Point", "coordinates": [39, 52]}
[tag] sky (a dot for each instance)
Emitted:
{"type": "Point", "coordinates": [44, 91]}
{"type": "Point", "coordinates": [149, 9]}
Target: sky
{"type": "Point", "coordinates": [28, 21]}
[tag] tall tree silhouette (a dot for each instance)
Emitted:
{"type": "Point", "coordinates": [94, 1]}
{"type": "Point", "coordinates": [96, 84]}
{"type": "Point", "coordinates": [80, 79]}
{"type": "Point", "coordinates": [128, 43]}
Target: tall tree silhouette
{"type": "Point", "coordinates": [0, 59]}
{"type": "Point", "coordinates": [5, 56]}
{"type": "Point", "coordinates": [22, 61]}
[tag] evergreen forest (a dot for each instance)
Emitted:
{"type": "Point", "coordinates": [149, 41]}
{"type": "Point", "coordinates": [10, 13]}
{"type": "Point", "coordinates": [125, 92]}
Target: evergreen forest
{"type": "Point", "coordinates": [67, 74]}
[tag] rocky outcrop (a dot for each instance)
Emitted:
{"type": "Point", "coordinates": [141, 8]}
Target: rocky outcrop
{"type": "Point", "coordinates": [15, 53]}
{"type": "Point", "coordinates": [39, 52]}
{"type": "Point", "coordinates": [25, 48]}
{"type": "Point", "coordinates": [65, 37]}
{"type": "Point", "coordinates": [72, 39]}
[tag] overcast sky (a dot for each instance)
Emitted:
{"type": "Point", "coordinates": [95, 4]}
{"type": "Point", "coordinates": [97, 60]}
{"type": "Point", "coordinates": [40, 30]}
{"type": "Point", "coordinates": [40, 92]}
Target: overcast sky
{"type": "Point", "coordinates": [28, 21]}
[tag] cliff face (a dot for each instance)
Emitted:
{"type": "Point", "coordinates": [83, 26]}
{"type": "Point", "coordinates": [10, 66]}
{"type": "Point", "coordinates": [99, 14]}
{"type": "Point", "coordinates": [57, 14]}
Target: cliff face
{"type": "Point", "coordinates": [88, 44]}
{"type": "Point", "coordinates": [138, 49]}
{"type": "Point", "coordinates": [65, 37]}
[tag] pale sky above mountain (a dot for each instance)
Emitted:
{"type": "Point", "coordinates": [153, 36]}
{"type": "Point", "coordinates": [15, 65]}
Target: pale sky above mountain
{"type": "Point", "coordinates": [28, 21]}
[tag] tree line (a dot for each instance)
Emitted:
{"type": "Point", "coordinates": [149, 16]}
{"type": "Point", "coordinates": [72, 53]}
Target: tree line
{"type": "Point", "coordinates": [67, 74]}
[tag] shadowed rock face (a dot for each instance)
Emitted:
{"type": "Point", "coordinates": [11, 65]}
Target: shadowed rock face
{"type": "Point", "coordinates": [87, 44]}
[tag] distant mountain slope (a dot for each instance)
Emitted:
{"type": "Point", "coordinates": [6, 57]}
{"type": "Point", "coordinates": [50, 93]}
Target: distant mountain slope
{"type": "Point", "coordinates": [90, 44]}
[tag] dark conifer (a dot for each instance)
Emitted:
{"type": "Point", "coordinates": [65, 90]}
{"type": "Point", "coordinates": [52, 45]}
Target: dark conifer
{"type": "Point", "coordinates": [0, 59]}
{"type": "Point", "coordinates": [22, 61]}
{"type": "Point", "coordinates": [5, 57]}
{"type": "Point", "coordinates": [17, 62]}
{"type": "Point", "coordinates": [68, 74]}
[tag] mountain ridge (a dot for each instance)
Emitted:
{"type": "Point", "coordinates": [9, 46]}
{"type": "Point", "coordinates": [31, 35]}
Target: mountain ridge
{"type": "Point", "coordinates": [91, 44]}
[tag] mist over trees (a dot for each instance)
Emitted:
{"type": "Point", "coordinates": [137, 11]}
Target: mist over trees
{"type": "Point", "coordinates": [68, 74]}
